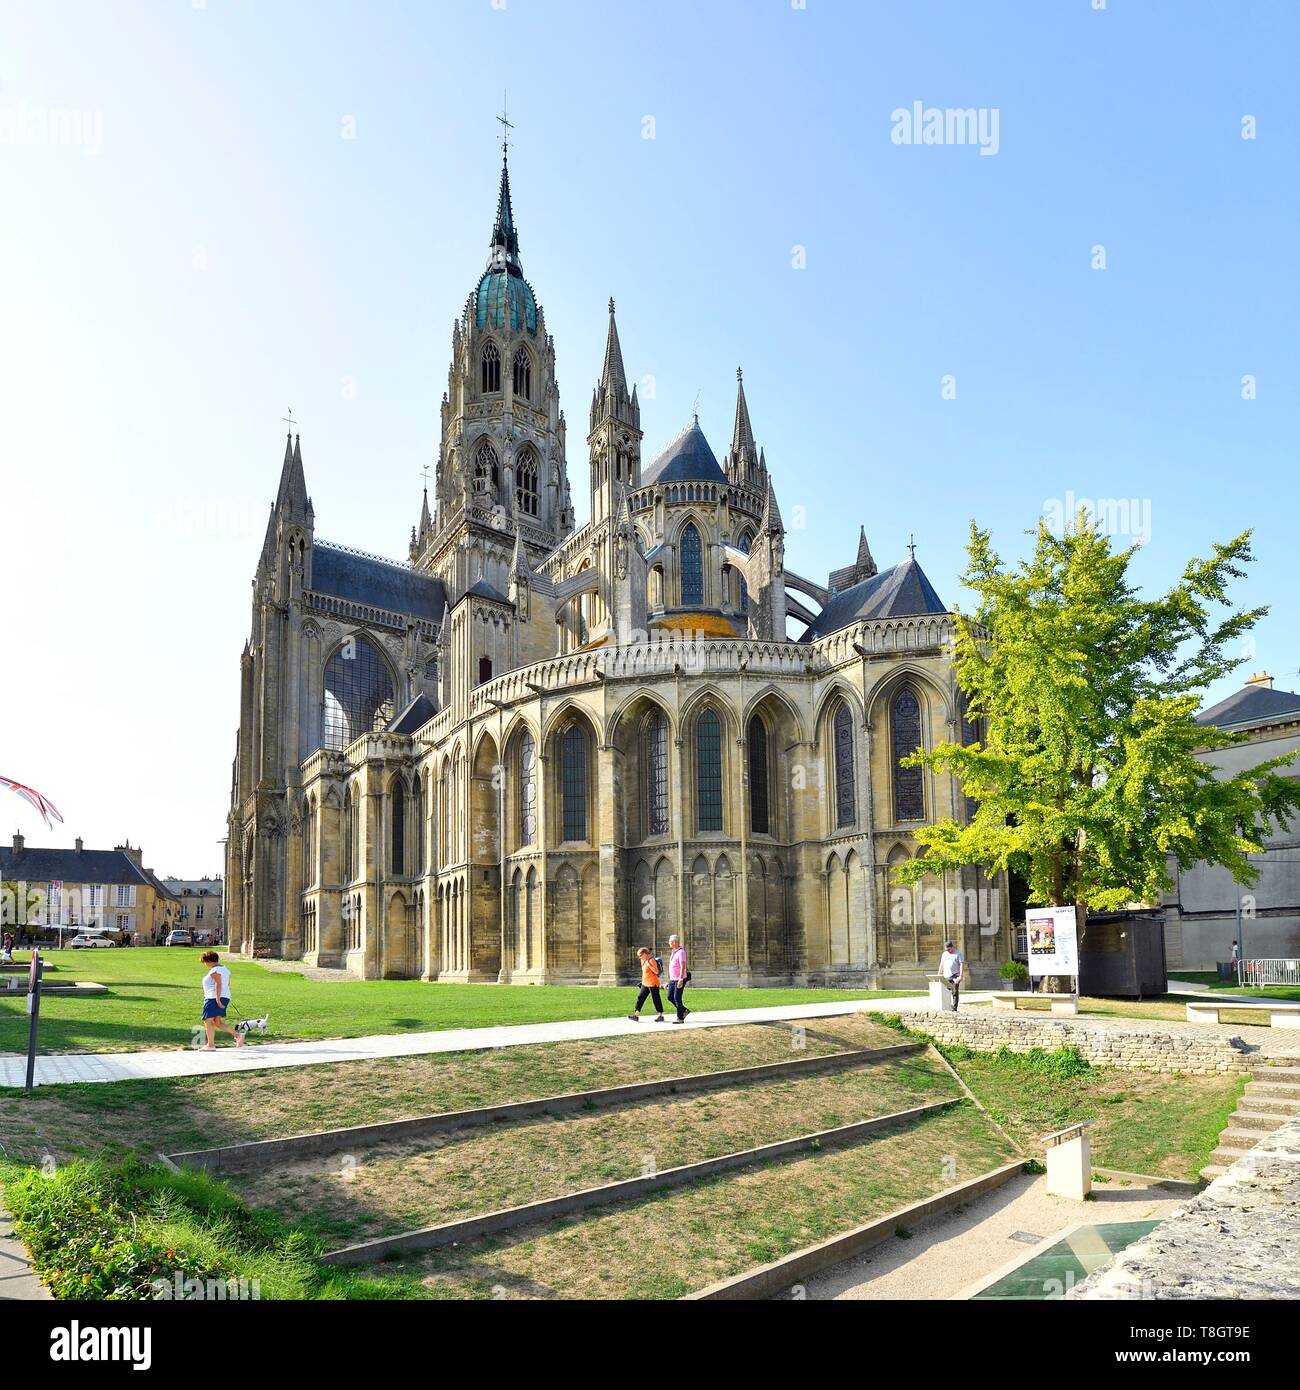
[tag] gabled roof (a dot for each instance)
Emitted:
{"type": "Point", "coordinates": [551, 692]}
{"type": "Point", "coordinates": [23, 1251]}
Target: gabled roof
{"type": "Point", "coordinates": [1251, 706]}
{"type": "Point", "coordinates": [40, 865]}
{"type": "Point", "coordinates": [348, 574]}
{"type": "Point", "coordinates": [687, 459]}
{"type": "Point", "coordinates": [901, 592]}
{"type": "Point", "coordinates": [415, 716]}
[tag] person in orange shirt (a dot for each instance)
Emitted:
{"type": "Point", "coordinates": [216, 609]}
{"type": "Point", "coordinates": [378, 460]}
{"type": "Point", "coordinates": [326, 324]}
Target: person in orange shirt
{"type": "Point", "coordinates": [649, 986]}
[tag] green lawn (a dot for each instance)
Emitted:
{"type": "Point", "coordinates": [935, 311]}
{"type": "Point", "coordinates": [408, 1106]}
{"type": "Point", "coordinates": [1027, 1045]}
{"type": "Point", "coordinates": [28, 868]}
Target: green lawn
{"type": "Point", "coordinates": [155, 996]}
{"type": "Point", "coordinates": [1212, 981]}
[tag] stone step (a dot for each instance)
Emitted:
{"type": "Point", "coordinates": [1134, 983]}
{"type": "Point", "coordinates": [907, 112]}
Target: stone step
{"type": "Point", "coordinates": [1277, 1101]}
{"type": "Point", "coordinates": [1213, 1170]}
{"type": "Point", "coordinates": [1278, 1076]}
{"type": "Point", "coordinates": [1259, 1120]}
{"type": "Point", "coordinates": [1272, 1090]}
{"type": "Point", "coordinates": [1238, 1141]}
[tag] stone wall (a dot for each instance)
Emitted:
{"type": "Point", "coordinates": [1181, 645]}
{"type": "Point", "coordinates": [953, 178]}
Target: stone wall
{"type": "Point", "coordinates": [1103, 1042]}
{"type": "Point", "coordinates": [1240, 1238]}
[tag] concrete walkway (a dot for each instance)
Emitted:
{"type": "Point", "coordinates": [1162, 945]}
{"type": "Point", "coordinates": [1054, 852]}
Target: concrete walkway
{"type": "Point", "coordinates": [17, 1278]}
{"type": "Point", "coordinates": [955, 1254]}
{"type": "Point", "coordinates": [137, 1066]}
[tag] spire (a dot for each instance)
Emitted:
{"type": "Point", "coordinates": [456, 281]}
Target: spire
{"type": "Point", "coordinates": [505, 240]}
{"type": "Point", "coordinates": [772, 513]}
{"type": "Point", "coordinates": [865, 565]}
{"type": "Point", "coordinates": [426, 521]}
{"type": "Point", "coordinates": [519, 566]}
{"type": "Point", "coordinates": [742, 437]}
{"type": "Point", "coordinates": [613, 380]}
{"type": "Point", "coordinates": [292, 496]}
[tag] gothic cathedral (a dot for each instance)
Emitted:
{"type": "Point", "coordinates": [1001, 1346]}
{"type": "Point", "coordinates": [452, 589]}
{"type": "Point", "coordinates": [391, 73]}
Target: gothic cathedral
{"type": "Point", "coordinates": [537, 745]}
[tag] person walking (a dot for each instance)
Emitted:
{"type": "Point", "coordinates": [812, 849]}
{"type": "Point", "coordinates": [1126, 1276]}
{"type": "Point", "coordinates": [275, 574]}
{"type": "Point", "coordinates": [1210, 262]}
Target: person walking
{"type": "Point", "coordinates": [678, 976]}
{"type": "Point", "coordinates": [216, 1000]}
{"type": "Point", "coordinates": [650, 982]}
{"type": "Point", "coordinates": [952, 969]}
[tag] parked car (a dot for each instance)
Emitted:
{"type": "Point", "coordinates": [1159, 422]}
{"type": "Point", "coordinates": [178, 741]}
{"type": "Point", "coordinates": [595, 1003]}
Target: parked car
{"type": "Point", "coordinates": [179, 938]}
{"type": "Point", "coordinates": [89, 940]}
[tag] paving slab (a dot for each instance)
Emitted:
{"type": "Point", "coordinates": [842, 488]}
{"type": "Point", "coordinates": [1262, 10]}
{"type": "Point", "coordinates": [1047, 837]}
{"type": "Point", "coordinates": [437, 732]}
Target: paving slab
{"type": "Point", "coordinates": [17, 1277]}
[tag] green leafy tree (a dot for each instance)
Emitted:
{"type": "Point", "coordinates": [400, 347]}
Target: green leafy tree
{"type": "Point", "coordinates": [1086, 776]}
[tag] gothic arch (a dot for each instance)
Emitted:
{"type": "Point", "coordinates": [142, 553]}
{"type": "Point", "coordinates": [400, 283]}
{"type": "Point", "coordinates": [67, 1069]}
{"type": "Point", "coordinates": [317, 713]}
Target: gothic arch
{"type": "Point", "coordinates": [776, 696]}
{"type": "Point", "coordinates": [358, 690]}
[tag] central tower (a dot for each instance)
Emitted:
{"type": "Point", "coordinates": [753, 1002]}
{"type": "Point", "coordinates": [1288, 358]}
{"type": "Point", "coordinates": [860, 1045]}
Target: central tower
{"type": "Point", "coordinates": [501, 471]}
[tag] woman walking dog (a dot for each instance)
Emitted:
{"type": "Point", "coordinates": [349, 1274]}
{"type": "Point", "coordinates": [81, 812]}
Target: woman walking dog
{"type": "Point", "coordinates": [216, 1000]}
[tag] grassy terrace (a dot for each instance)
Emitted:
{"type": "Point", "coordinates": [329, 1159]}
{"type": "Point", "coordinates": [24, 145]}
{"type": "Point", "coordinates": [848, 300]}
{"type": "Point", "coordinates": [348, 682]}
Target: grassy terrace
{"type": "Point", "coordinates": [143, 1117]}
{"type": "Point", "coordinates": [400, 1186]}
{"type": "Point", "coordinates": [155, 997]}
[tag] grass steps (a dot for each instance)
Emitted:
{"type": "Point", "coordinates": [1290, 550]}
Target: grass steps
{"type": "Point", "coordinates": [1270, 1098]}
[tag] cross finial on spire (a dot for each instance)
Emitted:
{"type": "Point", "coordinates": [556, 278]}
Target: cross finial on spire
{"type": "Point", "coordinates": [290, 419]}
{"type": "Point", "coordinates": [506, 128]}
{"type": "Point", "coordinates": [611, 304]}
{"type": "Point", "coordinates": [911, 546]}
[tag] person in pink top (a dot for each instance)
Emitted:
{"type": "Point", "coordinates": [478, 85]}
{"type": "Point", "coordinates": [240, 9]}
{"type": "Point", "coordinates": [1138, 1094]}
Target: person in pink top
{"type": "Point", "coordinates": [678, 976]}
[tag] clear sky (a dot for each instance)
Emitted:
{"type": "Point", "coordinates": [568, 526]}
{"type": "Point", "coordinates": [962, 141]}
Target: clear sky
{"type": "Point", "coordinates": [215, 211]}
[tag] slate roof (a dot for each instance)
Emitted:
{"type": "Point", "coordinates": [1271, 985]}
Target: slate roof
{"type": "Point", "coordinates": [901, 592]}
{"type": "Point", "coordinates": [687, 459]}
{"type": "Point", "coordinates": [366, 579]}
{"type": "Point", "coordinates": [40, 865]}
{"type": "Point", "coordinates": [415, 716]}
{"type": "Point", "coordinates": [1250, 706]}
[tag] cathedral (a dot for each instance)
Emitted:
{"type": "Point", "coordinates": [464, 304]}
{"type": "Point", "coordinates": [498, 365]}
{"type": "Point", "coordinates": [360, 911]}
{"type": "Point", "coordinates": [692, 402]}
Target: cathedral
{"type": "Point", "coordinates": [537, 744]}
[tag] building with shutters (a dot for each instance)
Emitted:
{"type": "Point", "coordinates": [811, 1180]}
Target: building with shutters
{"type": "Point", "coordinates": [537, 743]}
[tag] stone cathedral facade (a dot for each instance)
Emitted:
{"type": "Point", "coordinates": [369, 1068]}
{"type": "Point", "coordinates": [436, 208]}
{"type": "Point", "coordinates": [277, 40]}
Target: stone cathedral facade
{"type": "Point", "coordinates": [537, 744]}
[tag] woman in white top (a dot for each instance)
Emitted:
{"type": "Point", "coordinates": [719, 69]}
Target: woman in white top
{"type": "Point", "coordinates": [216, 1000]}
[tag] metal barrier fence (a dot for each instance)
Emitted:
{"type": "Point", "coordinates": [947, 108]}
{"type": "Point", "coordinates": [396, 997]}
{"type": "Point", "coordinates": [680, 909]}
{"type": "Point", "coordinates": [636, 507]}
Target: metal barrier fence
{"type": "Point", "coordinates": [1268, 972]}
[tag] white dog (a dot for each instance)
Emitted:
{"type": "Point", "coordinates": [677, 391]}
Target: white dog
{"type": "Point", "coordinates": [253, 1025]}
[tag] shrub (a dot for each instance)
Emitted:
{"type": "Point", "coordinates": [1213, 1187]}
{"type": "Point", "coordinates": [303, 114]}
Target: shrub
{"type": "Point", "coordinates": [1014, 970]}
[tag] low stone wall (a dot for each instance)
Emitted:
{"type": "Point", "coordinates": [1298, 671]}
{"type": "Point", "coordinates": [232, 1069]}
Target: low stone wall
{"type": "Point", "coordinates": [1103, 1042]}
{"type": "Point", "coordinates": [1239, 1239]}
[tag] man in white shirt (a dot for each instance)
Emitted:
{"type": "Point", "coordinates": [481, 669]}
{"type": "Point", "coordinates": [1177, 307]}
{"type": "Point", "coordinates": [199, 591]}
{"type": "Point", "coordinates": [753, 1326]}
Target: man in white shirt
{"type": "Point", "coordinates": [952, 969]}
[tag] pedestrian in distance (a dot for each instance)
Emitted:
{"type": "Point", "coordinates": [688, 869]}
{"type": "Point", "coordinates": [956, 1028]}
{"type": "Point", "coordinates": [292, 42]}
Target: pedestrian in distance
{"type": "Point", "coordinates": [650, 982]}
{"type": "Point", "coordinates": [678, 976]}
{"type": "Point", "coordinates": [952, 969]}
{"type": "Point", "coordinates": [216, 1000]}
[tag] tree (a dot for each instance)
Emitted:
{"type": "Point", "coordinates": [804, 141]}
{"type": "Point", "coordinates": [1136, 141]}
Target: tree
{"type": "Point", "coordinates": [1085, 776]}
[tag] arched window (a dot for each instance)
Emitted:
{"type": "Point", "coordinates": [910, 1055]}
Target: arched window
{"type": "Point", "coordinates": [573, 782]}
{"type": "Point", "coordinates": [419, 824]}
{"type": "Point", "coordinates": [309, 846]}
{"type": "Point", "coordinates": [397, 827]}
{"type": "Point", "coordinates": [526, 494]}
{"type": "Point", "coordinates": [349, 840]}
{"type": "Point", "coordinates": [655, 763]}
{"type": "Point", "coordinates": [743, 544]}
{"type": "Point", "coordinates": [523, 374]}
{"type": "Point", "coordinates": [358, 693]}
{"type": "Point", "coordinates": [527, 790]}
{"type": "Point", "coordinates": [708, 771]}
{"type": "Point", "coordinates": [846, 796]}
{"type": "Point", "coordinates": [491, 364]}
{"type": "Point", "coordinates": [760, 810]}
{"type": "Point", "coordinates": [905, 736]}
{"type": "Point", "coordinates": [487, 471]}
{"type": "Point", "coordinates": [444, 815]}
{"type": "Point", "coordinates": [692, 566]}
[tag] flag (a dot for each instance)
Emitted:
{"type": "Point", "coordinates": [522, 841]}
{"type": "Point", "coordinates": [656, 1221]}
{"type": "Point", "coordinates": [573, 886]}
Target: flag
{"type": "Point", "coordinates": [30, 795]}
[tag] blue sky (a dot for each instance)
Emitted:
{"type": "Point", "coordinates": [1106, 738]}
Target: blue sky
{"type": "Point", "coordinates": [202, 248]}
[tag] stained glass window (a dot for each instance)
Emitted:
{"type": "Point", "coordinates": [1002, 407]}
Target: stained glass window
{"type": "Point", "coordinates": [491, 368]}
{"type": "Point", "coordinates": [573, 781]}
{"type": "Point", "coordinates": [708, 771]}
{"type": "Point", "coordinates": [692, 568]}
{"type": "Point", "coordinates": [523, 375]}
{"type": "Point", "coordinates": [487, 471]}
{"type": "Point", "coordinates": [527, 790]}
{"type": "Point", "coordinates": [419, 825]}
{"type": "Point", "coordinates": [358, 693]}
{"type": "Point", "coordinates": [759, 805]}
{"type": "Point", "coordinates": [349, 853]}
{"type": "Point", "coordinates": [656, 765]}
{"type": "Point", "coordinates": [905, 731]}
{"type": "Point", "coordinates": [845, 791]}
{"type": "Point", "coordinates": [743, 544]}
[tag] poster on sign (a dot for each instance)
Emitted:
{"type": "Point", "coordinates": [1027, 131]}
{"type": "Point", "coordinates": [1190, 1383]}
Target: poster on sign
{"type": "Point", "coordinates": [1052, 937]}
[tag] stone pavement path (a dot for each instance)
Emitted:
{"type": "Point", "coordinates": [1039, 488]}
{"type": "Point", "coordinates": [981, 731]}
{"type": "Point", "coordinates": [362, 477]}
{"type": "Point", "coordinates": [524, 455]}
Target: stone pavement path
{"type": "Point", "coordinates": [951, 1255]}
{"type": "Point", "coordinates": [135, 1066]}
{"type": "Point", "coordinates": [17, 1278]}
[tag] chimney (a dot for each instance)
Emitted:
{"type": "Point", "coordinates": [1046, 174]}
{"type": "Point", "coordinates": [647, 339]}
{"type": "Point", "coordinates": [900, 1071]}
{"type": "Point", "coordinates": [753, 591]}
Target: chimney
{"type": "Point", "coordinates": [18, 843]}
{"type": "Point", "coordinates": [1263, 679]}
{"type": "Point", "coordinates": [79, 844]}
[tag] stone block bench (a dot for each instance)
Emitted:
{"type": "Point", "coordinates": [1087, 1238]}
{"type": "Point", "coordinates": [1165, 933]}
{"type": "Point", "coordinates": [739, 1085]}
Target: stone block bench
{"type": "Point", "coordinates": [1010, 1000]}
{"type": "Point", "coordinates": [1280, 1014]}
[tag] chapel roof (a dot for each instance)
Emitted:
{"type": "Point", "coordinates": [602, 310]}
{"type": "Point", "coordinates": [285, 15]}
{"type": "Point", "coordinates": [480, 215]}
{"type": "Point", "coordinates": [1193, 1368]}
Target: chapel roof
{"type": "Point", "coordinates": [900, 592]}
{"type": "Point", "coordinates": [687, 459]}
